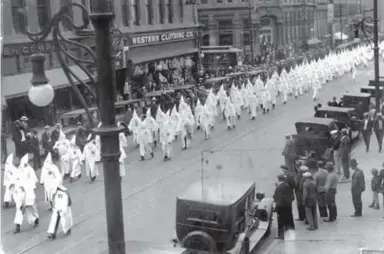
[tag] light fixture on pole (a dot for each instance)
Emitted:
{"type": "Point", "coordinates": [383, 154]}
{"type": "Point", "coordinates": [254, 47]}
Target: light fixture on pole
{"type": "Point", "coordinates": [41, 93]}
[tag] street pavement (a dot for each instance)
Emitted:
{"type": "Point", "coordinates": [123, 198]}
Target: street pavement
{"type": "Point", "coordinates": [252, 151]}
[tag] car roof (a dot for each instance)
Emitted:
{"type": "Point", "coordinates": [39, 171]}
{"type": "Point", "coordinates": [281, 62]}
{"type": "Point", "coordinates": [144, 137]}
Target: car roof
{"type": "Point", "coordinates": [371, 87]}
{"type": "Point", "coordinates": [336, 109]}
{"type": "Point", "coordinates": [317, 120]}
{"type": "Point", "coordinates": [357, 94]}
{"type": "Point", "coordinates": [219, 192]}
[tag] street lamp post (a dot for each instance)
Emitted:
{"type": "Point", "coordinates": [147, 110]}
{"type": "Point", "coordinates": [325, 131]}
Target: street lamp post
{"type": "Point", "coordinates": [376, 53]}
{"type": "Point", "coordinates": [103, 58]}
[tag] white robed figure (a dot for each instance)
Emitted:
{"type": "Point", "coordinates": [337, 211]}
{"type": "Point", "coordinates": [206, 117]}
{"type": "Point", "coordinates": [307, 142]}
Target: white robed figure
{"type": "Point", "coordinates": [266, 100]}
{"type": "Point", "coordinates": [51, 178]}
{"type": "Point", "coordinates": [134, 126]}
{"type": "Point", "coordinates": [24, 195]}
{"type": "Point", "coordinates": [252, 98]}
{"type": "Point", "coordinates": [91, 157]}
{"type": "Point", "coordinates": [76, 159]}
{"type": "Point", "coordinates": [122, 158]}
{"type": "Point", "coordinates": [145, 142]}
{"type": "Point", "coordinates": [186, 130]}
{"type": "Point", "coordinates": [152, 125]}
{"type": "Point", "coordinates": [198, 114]}
{"type": "Point", "coordinates": [230, 113]}
{"type": "Point", "coordinates": [10, 172]}
{"type": "Point", "coordinates": [206, 121]}
{"type": "Point", "coordinates": [160, 119]}
{"type": "Point", "coordinates": [166, 139]}
{"type": "Point", "coordinates": [62, 147]}
{"type": "Point", "coordinates": [244, 95]}
{"type": "Point", "coordinates": [61, 213]}
{"type": "Point", "coordinates": [221, 96]}
{"type": "Point", "coordinates": [122, 138]}
{"type": "Point", "coordinates": [236, 99]}
{"type": "Point", "coordinates": [175, 121]}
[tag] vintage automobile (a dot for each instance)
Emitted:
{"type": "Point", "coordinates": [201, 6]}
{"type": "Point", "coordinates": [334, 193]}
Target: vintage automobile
{"type": "Point", "coordinates": [347, 116]}
{"type": "Point", "coordinates": [358, 101]}
{"type": "Point", "coordinates": [225, 216]}
{"type": "Point", "coordinates": [313, 137]}
{"type": "Point", "coordinates": [371, 90]}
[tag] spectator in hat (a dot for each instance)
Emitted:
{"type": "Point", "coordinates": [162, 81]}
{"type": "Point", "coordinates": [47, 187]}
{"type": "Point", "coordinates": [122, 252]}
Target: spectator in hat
{"type": "Point", "coordinates": [320, 178]}
{"type": "Point", "coordinates": [153, 107]}
{"type": "Point", "coordinates": [344, 152]}
{"type": "Point", "coordinates": [375, 187]}
{"type": "Point", "coordinates": [24, 123]}
{"type": "Point", "coordinates": [283, 204]}
{"type": "Point", "coordinates": [56, 133]}
{"type": "Point", "coordinates": [310, 201]}
{"type": "Point", "coordinates": [46, 140]}
{"type": "Point", "coordinates": [34, 145]}
{"type": "Point", "coordinates": [4, 150]}
{"type": "Point", "coordinates": [289, 153]}
{"type": "Point", "coordinates": [357, 188]}
{"type": "Point", "coordinates": [299, 180]}
{"type": "Point", "coordinates": [336, 146]}
{"type": "Point", "coordinates": [378, 127]}
{"type": "Point", "coordinates": [367, 130]}
{"type": "Point", "coordinates": [331, 190]}
{"type": "Point", "coordinates": [19, 137]}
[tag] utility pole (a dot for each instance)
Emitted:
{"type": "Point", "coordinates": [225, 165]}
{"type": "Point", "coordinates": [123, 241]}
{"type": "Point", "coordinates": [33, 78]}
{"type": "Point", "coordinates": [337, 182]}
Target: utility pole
{"type": "Point", "coordinates": [341, 21]}
{"type": "Point", "coordinates": [251, 32]}
{"type": "Point", "coordinates": [376, 53]}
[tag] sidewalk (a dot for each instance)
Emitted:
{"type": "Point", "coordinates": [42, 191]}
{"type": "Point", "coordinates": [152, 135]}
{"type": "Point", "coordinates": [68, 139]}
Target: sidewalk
{"type": "Point", "coordinates": [346, 235]}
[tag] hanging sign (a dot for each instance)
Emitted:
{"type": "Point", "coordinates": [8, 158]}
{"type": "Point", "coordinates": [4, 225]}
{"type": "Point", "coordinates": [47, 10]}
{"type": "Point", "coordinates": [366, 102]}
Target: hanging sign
{"type": "Point", "coordinates": [162, 37]}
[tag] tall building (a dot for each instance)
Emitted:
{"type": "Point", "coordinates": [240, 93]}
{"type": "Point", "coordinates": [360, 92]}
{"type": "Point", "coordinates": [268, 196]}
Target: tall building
{"type": "Point", "coordinates": [345, 14]}
{"type": "Point", "coordinates": [278, 22]}
{"type": "Point", "coordinates": [158, 33]}
{"type": "Point", "coordinates": [367, 7]}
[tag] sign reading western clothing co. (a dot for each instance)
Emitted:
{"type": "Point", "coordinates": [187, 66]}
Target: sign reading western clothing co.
{"type": "Point", "coordinates": [161, 37]}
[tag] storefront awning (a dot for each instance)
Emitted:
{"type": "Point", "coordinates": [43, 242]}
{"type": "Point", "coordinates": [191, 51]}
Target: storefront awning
{"type": "Point", "coordinates": [18, 85]}
{"type": "Point", "coordinates": [144, 57]}
{"type": "Point", "coordinates": [313, 41]}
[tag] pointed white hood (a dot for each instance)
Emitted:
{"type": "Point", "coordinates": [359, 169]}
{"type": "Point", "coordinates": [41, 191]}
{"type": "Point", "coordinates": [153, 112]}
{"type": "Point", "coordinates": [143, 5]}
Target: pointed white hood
{"type": "Point", "coordinates": [48, 160]}
{"type": "Point", "coordinates": [24, 161]}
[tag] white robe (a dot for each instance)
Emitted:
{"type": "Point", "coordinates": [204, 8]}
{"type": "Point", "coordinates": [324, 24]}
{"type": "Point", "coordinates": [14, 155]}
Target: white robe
{"type": "Point", "coordinates": [51, 178]}
{"type": "Point", "coordinates": [61, 207]}
{"type": "Point", "coordinates": [64, 159]}
{"type": "Point", "coordinates": [91, 156]}
{"type": "Point", "coordinates": [76, 158]}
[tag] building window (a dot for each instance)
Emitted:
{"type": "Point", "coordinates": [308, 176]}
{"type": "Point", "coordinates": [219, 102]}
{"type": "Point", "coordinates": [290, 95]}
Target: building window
{"type": "Point", "coordinates": [229, 1]}
{"type": "Point", "coordinates": [111, 6]}
{"type": "Point", "coordinates": [43, 13]}
{"type": "Point", "coordinates": [19, 16]}
{"type": "Point", "coordinates": [246, 38]}
{"type": "Point", "coordinates": [161, 12]}
{"type": "Point", "coordinates": [181, 10]}
{"type": "Point", "coordinates": [136, 12]}
{"type": "Point", "coordinates": [204, 2]}
{"type": "Point", "coordinates": [149, 7]}
{"type": "Point", "coordinates": [225, 39]}
{"type": "Point", "coordinates": [244, 1]}
{"type": "Point", "coordinates": [219, 1]}
{"type": "Point", "coordinates": [125, 12]}
{"type": "Point", "coordinates": [205, 41]}
{"type": "Point", "coordinates": [170, 11]}
{"type": "Point", "coordinates": [66, 24]}
{"type": "Point", "coordinates": [225, 24]}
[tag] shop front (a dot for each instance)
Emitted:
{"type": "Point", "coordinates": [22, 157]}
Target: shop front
{"type": "Point", "coordinates": [162, 60]}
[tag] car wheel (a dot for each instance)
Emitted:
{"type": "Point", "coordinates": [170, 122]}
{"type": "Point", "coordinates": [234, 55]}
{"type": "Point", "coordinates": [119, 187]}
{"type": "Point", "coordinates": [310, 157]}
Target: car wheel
{"type": "Point", "coordinates": [245, 247]}
{"type": "Point", "coordinates": [199, 240]}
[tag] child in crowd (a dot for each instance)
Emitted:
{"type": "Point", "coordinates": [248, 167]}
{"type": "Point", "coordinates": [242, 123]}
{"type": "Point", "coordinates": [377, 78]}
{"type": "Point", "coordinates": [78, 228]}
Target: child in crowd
{"type": "Point", "coordinates": [375, 186]}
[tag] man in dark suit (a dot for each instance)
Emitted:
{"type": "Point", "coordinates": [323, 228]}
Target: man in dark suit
{"type": "Point", "coordinates": [289, 153]}
{"type": "Point", "coordinates": [310, 201]}
{"type": "Point", "coordinates": [367, 130]}
{"type": "Point", "coordinates": [19, 137]}
{"type": "Point", "coordinates": [46, 141]}
{"type": "Point", "coordinates": [56, 133]}
{"type": "Point", "coordinates": [283, 201]}
{"type": "Point", "coordinates": [357, 188]}
{"type": "Point", "coordinates": [378, 127]}
{"type": "Point", "coordinates": [290, 180]}
{"type": "Point", "coordinates": [320, 178]}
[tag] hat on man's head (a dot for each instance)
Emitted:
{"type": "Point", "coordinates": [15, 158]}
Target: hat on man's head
{"type": "Point", "coordinates": [329, 165]}
{"type": "Point", "coordinates": [47, 127]}
{"type": "Point", "coordinates": [304, 168]}
{"type": "Point", "coordinates": [283, 167]}
{"type": "Point", "coordinates": [344, 130]}
{"type": "Point", "coordinates": [288, 136]}
{"type": "Point", "coordinates": [366, 114]}
{"type": "Point", "coordinates": [354, 162]}
{"type": "Point", "coordinates": [307, 174]}
{"type": "Point", "coordinates": [24, 118]}
{"type": "Point", "coordinates": [281, 177]}
{"type": "Point", "coordinates": [379, 114]}
{"type": "Point", "coordinates": [320, 163]}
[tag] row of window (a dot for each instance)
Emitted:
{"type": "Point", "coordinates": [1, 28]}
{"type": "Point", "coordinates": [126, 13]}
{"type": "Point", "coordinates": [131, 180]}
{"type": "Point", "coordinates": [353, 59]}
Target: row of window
{"type": "Point", "coordinates": [222, 1]}
{"type": "Point", "coordinates": [131, 10]}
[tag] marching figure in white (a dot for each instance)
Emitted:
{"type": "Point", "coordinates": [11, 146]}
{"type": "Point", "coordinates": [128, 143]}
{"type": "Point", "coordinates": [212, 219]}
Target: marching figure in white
{"type": "Point", "coordinates": [166, 139]}
{"type": "Point", "coordinates": [230, 113]}
{"type": "Point", "coordinates": [134, 126]}
{"type": "Point", "coordinates": [186, 128]}
{"type": "Point", "coordinates": [354, 71]}
{"type": "Point", "coordinates": [62, 147]}
{"type": "Point", "coordinates": [252, 98]}
{"type": "Point", "coordinates": [145, 142]}
{"type": "Point", "coordinates": [24, 195]}
{"type": "Point", "coordinates": [122, 158]}
{"type": "Point", "coordinates": [198, 114]}
{"type": "Point", "coordinates": [122, 138]}
{"type": "Point", "coordinates": [10, 172]}
{"type": "Point", "coordinates": [50, 178]}
{"type": "Point", "coordinates": [91, 156]}
{"type": "Point", "coordinates": [206, 121]}
{"type": "Point", "coordinates": [61, 213]}
{"type": "Point", "coordinates": [76, 158]}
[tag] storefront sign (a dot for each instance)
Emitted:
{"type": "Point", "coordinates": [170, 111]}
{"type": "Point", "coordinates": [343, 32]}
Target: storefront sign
{"type": "Point", "coordinates": [161, 37]}
{"type": "Point", "coordinates": [27, 49]}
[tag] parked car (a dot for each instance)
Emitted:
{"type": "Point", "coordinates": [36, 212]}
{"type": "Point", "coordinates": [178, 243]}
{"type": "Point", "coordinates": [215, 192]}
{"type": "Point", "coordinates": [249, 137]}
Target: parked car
{"type": "Point", "coordinates": [358, 101]}
{"type": "Point", "coordinates": [372, 90]}
{"type": "Point", "coordinates": [222, 216]}
{"type": "Point", "coordinates": [313, 138]}
{"type": "Point", "coordinates": [347, 116]}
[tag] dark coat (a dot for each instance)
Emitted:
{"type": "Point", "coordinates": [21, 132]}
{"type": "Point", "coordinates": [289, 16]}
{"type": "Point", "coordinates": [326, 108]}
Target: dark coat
{"type": "Point", "coordinates": [46, 143]}
{"type": "Point", "coordinates": [282, 196]}
{"type": "Point", "coordinates": [34, 144]}
{"type": "Point", "coordinates": [345, 146]}
{"type": "Point", "coordinates": [290, 150]}
{"type": "Point", "coordinates": [309, 193]}
{"type": "Point", "coordinates": [55, 135]}
{"type": "Point", "coordinates": [21, 147]}
{"type": "Point", "coordinates": [376, 183]}
{"type": "Point", "coordinates": [358, 181]}
{"type": "Point", "coordinates": [376, 124]}
{"type": "Point", "coordinates": [290, 180]}
{"type": "Point", "coordinates": [369, 126]}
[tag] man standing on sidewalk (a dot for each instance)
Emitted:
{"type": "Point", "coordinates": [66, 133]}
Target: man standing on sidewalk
{"type": "Point", "coordinates": [367, 130]}
{"type": "Point", "coordinates": [344, 153]}
{"type": "Point", "coordinates": [310, 203]}
{"type": "Point", "coordinates": [378, 127]}
{"type": "Point", "coordinates": [320, 178]}
{"type": "Point", "coordinates": [357, 188]}
{"type": "Point", "coordinates": [331, 189]}
{"type": "Point", "coordinates": [336, 147]}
